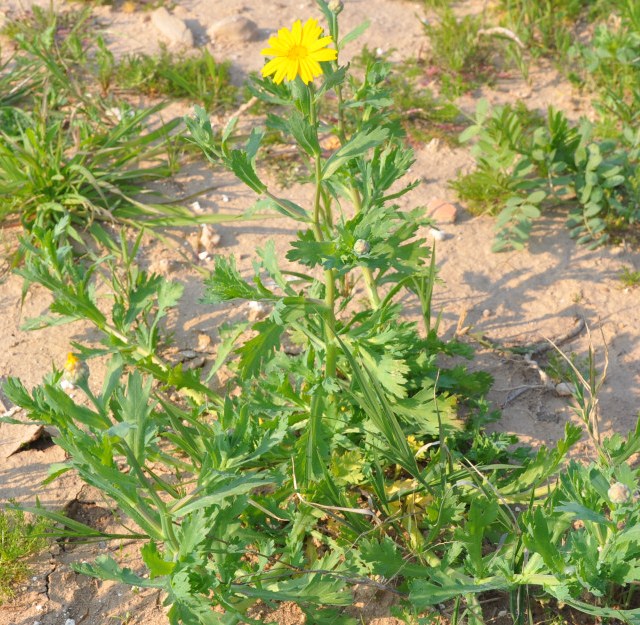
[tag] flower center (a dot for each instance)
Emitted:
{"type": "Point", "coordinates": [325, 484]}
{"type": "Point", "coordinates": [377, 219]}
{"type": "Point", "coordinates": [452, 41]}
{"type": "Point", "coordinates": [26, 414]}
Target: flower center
{"type": "Point", "coordinates": [297, 52]}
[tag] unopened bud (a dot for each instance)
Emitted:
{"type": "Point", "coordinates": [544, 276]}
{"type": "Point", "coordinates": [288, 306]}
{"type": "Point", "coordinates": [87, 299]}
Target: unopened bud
{"type": "Point", "coordinates": [75, 370]}
{"type": "Point", "coordinates": [619, 493]}
{"type": "Point", "coordinates": [336, 6]}
{"type": "Point", "coordinates": [361, 247]}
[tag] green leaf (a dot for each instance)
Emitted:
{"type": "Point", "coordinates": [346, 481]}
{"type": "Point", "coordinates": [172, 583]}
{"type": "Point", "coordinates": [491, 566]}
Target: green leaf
{"type": "Point", "coordinates": [105, 567]}
{"type": "Point", "coordinates": [241, 165]}
{"type": "Point", "coordinates": [260, 348]}
{"type": "Point", "coordinates": [358, 145]}
{"type": "Point", "coordinates": [156, 564]}
{"type": "Point", "coordinates": [225, 283]}
{"type": "Point", "coordinates": [304, 133]}
{"type": "Point", "coordinates": [354, 34]}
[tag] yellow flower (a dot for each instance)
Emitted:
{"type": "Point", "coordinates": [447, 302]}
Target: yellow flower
{"type": "Point", "coordinates": [298, 52]}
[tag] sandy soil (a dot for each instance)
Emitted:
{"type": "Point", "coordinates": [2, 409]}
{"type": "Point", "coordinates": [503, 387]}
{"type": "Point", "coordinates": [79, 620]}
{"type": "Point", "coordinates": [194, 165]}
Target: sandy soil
{"type": "Point", "coordinates": [511, 299]}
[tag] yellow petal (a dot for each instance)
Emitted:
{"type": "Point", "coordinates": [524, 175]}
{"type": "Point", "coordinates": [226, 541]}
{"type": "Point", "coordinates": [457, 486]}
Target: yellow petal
{"type": "Point", "coordinates": [271, 67]}
{"type": "Point", "coordinates": [292, 69]}
{"type": "Point", "coordinates": [324, 55]}
{"type": "Point", "coordinates": [320, 43]}
{"type": "Point", "coordinates": [284, 35]}
{"type": "Point", "coordinates": [281, 72]}
{"type": "Point", "coordinates": [305, 71]}
{"type": "Point", "coordinates": [296, 32]}
{"type": "Point", "coordinates": [278, 45]}
{"type": "Point", "coordinates": [314, 67]}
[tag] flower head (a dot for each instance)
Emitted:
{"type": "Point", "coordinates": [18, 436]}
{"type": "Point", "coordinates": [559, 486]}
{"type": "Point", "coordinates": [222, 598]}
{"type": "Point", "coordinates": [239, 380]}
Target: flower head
{"type": "Point", "coordinates": [75, 370]}
{"type": "Point", "coordinates": [619, 493]}
{"type": "Point", "coordinates": [298, 52]}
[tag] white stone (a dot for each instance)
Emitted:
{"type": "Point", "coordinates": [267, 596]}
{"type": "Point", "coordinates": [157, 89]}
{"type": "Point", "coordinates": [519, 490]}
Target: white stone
{"type": "Point", "coordinates": [233, 29]}
{"type": "Point", "coordinates": [172, 27]}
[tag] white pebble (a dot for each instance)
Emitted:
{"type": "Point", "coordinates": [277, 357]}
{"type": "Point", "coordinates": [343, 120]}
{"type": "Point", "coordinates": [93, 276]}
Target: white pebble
{"type": "Point", "coordinates": [225, 198]}
{"type": "Point", "coordinates": [69, 621]}
{"type": "Point", "coordinates": [436, 234]}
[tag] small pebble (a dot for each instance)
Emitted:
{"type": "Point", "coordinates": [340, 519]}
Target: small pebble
{"type": "Point", "coordinates": [69, 621]}
{"type": "Point", "coordinates": [564, 389]}
{"type": "Point", "coordinates": [437, 235]}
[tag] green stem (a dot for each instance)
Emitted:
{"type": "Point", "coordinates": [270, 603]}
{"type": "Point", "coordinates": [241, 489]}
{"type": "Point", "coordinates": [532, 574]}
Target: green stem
{"type": "Point", "coordinates": [329, 276]}
{"type": "Point", "coordinates": [369, 280]}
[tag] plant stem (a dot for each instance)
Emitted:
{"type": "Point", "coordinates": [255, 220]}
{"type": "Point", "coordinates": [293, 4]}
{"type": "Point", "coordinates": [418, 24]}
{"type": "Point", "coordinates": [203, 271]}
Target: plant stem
{"type": "Point", "coordinates": [329, 276]}
{"type": "Point", "coordinates": [369, 280]}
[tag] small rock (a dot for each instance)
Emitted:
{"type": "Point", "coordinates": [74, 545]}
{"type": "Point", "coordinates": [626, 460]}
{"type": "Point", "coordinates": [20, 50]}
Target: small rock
{"type": "Point", "coordinates": [172, 27]}
{"type": "Point", "coordinates": [186, 354]}
{"type": "Point", "coordinates": [161, 266]}
{"type": "Point", "coordinates": [233, 29]}
{"type": "Point", "coordinates": [486, 313]}
{"type": "Point", "coordinates": [442, 211]}
{"type": "Point", "coordinates": [180, 11]}
{"type": "Point", "coordinates": [204, 342]}
{"type": "Point", "coordinates": [257, 310]}
{"type": "Point", "coordinates": [14, 436]}
{"type": "Point", "coordinates": [196, 363]}
{"type": "Point", "coordinates": [437, 235]}
{"type": "Point", "coordinates": [564, 389]}
{"type": "Point", "coordinates": [209, 239]}
{"type": "Point", "coordinates": [69, 621]}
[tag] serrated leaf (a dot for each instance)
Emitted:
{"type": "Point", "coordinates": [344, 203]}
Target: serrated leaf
{"type": "Point", "coordinates": [303, 133]}
{"type": "Point", "coordinates": [156, 564]}
{"type": "Point", "coordinates": [260, 348]}
{"type": "Point", "coordinates": [240, 163]}
{"type": "Point", "coordinates": [225, 283]}
{"type": "Point", "coordinates": [358, 145]}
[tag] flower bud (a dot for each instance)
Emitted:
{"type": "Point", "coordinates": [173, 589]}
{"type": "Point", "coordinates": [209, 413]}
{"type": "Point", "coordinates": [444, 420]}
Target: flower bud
{"type": "Point", "coordinates": [75, 370]}
{"type": "Point", "coordinates": [361, 247]}
{"type": "Point", "coordinates": [619, 493]}
{"type": "Point", "coordinates": [336, 6]}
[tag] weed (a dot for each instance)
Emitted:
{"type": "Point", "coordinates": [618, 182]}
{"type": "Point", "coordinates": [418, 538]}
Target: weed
{"type": "Point", "coordinates": [465, 53]}
{"type": "Point", "coordinates": [20, 537]}
{"type": "Point", "coordinates": [199, 78]}
{"type": "Point", "coordinates": [524, 165]}
{"type": "Point", "coordinates": [629, 277]}
{"type": "Point", "coordinates": [352, 459]}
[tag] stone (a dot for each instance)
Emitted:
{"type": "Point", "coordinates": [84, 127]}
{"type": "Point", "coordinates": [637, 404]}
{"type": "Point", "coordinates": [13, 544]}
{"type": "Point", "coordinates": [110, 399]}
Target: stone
{"type": "Point", "coordinates": [14, 436]}
{"type": "Point", "coordinates": [233, 29]}
{"type": "Point", "coordinates": [172, 27]}
{"type": "Point", "coordinates": [442, 211]}
{"type": "Point", "coordinates": [564, 389]}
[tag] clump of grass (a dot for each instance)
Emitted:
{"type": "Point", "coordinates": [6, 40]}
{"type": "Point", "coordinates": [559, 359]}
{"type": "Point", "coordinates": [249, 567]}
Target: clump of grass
{"type": "Point", "coordinates": [199, 78]}
{"type": "Point", "coordinates": [20, 537]}
{"type": "Point", "coordinates": [629, 277]}
{"type": "Point", "coordinates": [466, 54]}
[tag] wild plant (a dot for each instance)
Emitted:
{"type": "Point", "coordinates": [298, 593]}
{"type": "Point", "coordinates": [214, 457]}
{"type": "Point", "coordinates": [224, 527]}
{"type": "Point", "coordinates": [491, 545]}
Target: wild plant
{"type": "Point", "coordinates": [94, 164]}
{"type": "Point", "coordinates": [341, 453]}
{"type": "Point", "coordinates": [525, 166]}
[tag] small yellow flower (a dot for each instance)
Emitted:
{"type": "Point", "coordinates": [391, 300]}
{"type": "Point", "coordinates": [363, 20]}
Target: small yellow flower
{"type": "Point", "coordinates": [298, 52]}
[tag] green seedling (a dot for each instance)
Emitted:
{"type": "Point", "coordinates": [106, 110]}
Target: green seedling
{"type": "Point", "coordinates": [20, 537]}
